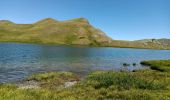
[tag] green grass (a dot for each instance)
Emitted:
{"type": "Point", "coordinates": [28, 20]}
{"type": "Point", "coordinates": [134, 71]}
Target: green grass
{"type": "Point", "coordinates": [161, 65]}
{"type": "Point", "coordinates": [53, 80]}
{"type": "Point", "coordinates": [138, 85]}
{"type": "Point", "coordinates": [50, 84]}
{"type": "Point", "coordinates": [10, 92]}
{"type": "Point", "coordinates": [141, 85]}
{"type": "Point", "coordinates": [123, 81]}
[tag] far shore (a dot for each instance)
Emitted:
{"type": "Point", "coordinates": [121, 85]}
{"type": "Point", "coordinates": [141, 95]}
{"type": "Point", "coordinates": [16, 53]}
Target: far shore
{"type": "Point", "coordinates": [79, 46]}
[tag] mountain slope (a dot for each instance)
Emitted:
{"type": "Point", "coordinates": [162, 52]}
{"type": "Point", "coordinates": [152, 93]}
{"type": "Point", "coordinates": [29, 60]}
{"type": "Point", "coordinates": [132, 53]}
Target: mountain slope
{"type": "Point", "coordinates": [147, 43]}
{"type": "Point", "coordinates": [76, 31]}
{"type": "Point", "coordinates": [71, 32]}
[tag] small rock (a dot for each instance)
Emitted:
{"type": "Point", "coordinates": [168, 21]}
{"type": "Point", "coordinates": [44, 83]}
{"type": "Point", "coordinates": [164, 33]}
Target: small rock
{"type": "Point", "coordinates": [69, 84]}
{"type": "Point", "coordinates": [126, 64]}
{"type": "Point", "coordinates": [28, 85]}
{"type": "Point", "coordinates": [134, 64]}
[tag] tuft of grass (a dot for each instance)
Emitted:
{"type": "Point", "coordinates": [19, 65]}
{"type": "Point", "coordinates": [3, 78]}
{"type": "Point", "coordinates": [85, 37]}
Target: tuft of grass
{"type": "Point", "coordinates": [11, 92]}
{"type": "Point", "coordinates": [122, 80]}
{"type": "Point", "coordinates": [141, 85]}
{"type": "Point", "coordinates": [53, 80]}
{"type": "Point", "coordinates": [160, 65]}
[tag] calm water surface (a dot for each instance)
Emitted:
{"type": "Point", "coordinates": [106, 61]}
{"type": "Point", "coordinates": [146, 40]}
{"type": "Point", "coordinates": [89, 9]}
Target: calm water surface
{"type": "Point", "coordinates": [17, 61]}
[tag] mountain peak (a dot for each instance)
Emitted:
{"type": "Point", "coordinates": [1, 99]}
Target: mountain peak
{"type": "Point", "coordinates": [80, 20]}
{"type": "Point", "coordinates": [46, 21]}
{"type": "Point", "coordinates": [6, 22]}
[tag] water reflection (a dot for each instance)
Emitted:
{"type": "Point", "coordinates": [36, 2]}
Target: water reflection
{"type": "Point", "coordinates": [20, 60]}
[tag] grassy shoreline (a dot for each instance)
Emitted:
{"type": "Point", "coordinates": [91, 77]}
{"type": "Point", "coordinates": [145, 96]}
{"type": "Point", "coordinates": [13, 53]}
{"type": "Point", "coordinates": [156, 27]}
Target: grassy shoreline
{"type": "Point", "coordinates": [145, 84]}
{"type": "Point", "coordinates": [72, 45]}
{"type": "Point", "coordinates": [161, 65]}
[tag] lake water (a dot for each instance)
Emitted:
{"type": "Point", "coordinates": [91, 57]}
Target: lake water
{"type": "Point", "coordinates": [17, 61]}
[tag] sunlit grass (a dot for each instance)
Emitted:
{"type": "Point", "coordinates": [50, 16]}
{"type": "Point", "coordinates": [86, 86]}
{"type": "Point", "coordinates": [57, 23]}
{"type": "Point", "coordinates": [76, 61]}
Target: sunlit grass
{"type": "Point", "coordinates": [123, 80]}
{"type": "Point", "coordinates": [53, 80]}
{"type": "Point", "coordinates": [138, 85]}
{"type": "Point", "coordinates": [161, 65]}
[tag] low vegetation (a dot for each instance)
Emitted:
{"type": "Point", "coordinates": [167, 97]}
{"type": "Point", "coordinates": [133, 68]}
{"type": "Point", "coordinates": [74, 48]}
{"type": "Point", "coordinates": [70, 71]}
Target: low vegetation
{"type": "Point", "coordinates": [137, 85]}
{"type": "Point", "coordinates": [161, 65]}
{"type": "Point", "coordinates": [53, 80]}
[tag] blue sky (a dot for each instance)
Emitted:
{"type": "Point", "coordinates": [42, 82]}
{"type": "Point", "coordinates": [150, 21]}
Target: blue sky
{"type": "Point", "coordinates": [120, 19]}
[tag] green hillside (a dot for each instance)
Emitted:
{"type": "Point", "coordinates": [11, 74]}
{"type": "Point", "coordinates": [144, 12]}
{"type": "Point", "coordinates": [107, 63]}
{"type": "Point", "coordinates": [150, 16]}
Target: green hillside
{"type": "Point", "coordinates": [71, 32]}
{"type": "Point", "coordinates": [49, 31]}
{"type": "Point", "coordinates": [147, 43]}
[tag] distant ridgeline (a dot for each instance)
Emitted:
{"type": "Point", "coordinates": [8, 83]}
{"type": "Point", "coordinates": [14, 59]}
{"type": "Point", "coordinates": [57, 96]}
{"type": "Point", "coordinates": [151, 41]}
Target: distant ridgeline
{"type": "Point", "coordinates": [71, 32]}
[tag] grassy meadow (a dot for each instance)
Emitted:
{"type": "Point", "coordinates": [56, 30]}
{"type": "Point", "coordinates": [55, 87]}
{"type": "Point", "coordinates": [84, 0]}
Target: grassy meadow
{"type": "Point", "coordinates": [150, 84]}
{"type": "Point", "coordinates": [162, 65]}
